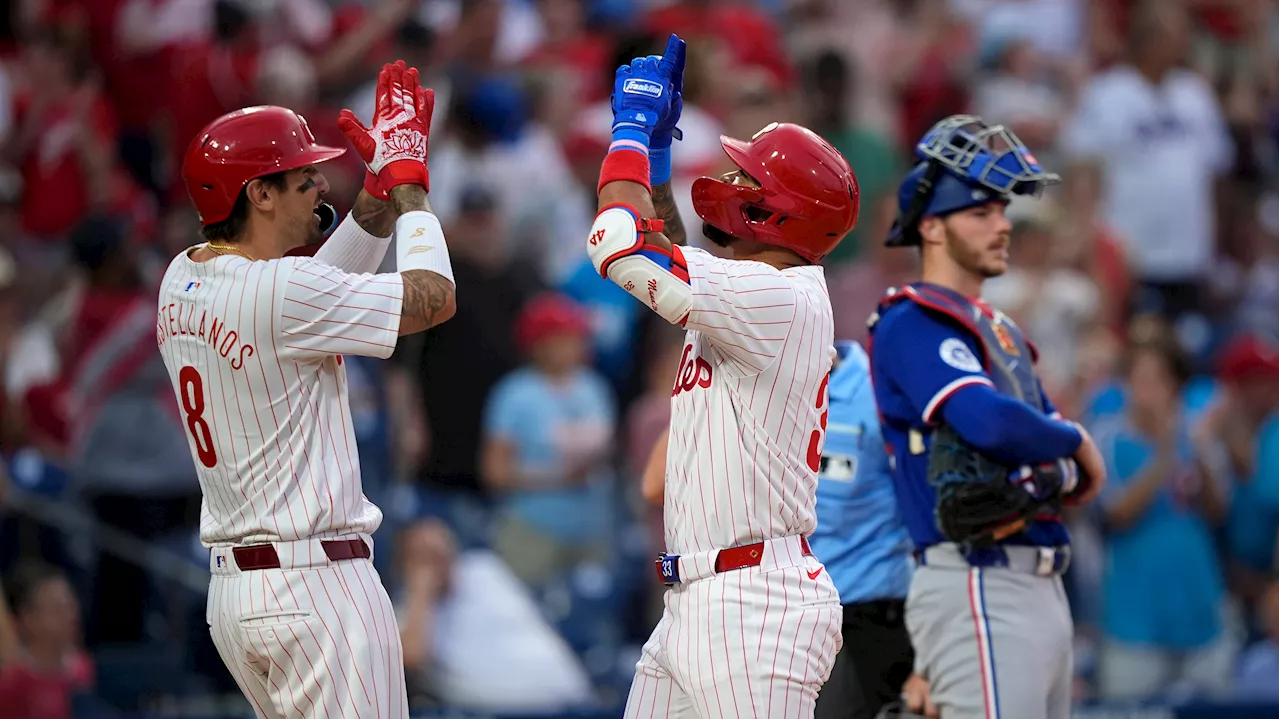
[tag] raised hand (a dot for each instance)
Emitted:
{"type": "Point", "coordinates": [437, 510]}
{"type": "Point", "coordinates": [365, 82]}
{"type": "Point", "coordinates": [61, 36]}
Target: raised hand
{"type": "Point", "coordinates": [395, 148]}
{"type": "Point", "coordinates": [644, 94]}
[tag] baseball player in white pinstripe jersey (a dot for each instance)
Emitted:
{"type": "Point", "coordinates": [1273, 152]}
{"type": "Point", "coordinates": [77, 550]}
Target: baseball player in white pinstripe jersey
{"type": "Point", "coordinates": [752, 622]}
{"type": "Point", "coordinates": [253, 337]}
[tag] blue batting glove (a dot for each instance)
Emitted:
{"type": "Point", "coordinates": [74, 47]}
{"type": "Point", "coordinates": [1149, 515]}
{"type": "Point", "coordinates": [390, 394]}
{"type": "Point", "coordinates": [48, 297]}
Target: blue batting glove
{"type": "Point", "coordinates": [640, 97]}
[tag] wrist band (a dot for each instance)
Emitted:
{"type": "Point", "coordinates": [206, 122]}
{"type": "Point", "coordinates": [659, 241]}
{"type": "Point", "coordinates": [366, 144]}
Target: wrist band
{"type": "Point", "coordinates": [659, 165]}
{"type": "Point", "coordinates": [420, 244]}
{"type": "Point", "coordinates": [628, 159]}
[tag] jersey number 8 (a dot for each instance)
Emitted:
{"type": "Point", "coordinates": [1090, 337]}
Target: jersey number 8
{"type": "Point", "coordinates": [192, 386]}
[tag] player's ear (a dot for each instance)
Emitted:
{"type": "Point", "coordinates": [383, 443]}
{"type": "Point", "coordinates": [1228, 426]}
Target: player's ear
{"type": "Point", "coordinates": [261, 195]}
{"type": "Point", "coordinates": [932, 230]}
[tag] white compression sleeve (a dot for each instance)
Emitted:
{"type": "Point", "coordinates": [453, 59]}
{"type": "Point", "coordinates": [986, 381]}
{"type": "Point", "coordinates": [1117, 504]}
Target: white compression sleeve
{"type": "Point", "coordinates": [351, 249]}
{"type": "Point", "coordinates": [420, 244]}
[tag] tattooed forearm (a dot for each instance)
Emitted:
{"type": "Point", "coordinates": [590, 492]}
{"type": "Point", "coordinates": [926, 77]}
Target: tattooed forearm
{"type": "Point", "coordinates": [409, 198]}
{"type": "Point", "coordinates": [664, 203]}
{"type": "Point", "coordinates": [373, 215]}
{"type": "Point", "coordinates": [428, 301]}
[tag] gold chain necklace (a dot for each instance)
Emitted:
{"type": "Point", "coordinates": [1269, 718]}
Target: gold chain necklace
{"type": "Point", "coordinates": [223, 249]}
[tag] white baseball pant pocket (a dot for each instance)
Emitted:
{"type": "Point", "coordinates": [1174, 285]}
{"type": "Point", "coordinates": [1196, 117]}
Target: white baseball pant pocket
{"type": "Point", "coordinates": [315, 642]}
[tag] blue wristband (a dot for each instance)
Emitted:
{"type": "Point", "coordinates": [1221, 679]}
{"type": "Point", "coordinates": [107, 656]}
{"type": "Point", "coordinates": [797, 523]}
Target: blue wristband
{"type": "Point", "coordinates": [659, 165]}
{"type": "Point", "coordinates": [626, 136]}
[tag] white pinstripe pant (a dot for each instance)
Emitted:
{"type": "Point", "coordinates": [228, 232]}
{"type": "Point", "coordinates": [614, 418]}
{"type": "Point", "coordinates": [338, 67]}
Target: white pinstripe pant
{"type": "Point", "coordinates": [313, 639]}
{"type": "Point", "coordinates": [755, 642]}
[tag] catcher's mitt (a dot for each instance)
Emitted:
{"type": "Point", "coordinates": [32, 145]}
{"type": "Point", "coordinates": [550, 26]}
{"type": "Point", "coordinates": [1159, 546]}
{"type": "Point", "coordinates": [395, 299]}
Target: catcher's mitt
{"type": "Point", "coordinates": [981, 501]}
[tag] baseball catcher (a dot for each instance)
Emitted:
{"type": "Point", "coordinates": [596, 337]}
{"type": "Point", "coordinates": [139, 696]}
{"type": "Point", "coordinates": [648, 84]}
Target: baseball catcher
{"type": "Point", "coordinates": [982, 461]}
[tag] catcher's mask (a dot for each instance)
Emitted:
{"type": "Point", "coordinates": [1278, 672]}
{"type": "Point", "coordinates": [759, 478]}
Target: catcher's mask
{"type": "Point", "coordinates": [963, 163]}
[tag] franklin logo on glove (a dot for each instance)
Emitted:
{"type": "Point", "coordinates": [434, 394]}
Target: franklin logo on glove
{"type": "Point", "coordinates": [642, 87]}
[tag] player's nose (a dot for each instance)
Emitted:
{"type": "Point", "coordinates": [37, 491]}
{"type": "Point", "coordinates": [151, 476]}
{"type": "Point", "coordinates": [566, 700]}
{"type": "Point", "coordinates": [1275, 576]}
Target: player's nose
{"type": "Point", "coordinates": [1004, 225]}
{"type": "Point", "coordinates": [322, 184]}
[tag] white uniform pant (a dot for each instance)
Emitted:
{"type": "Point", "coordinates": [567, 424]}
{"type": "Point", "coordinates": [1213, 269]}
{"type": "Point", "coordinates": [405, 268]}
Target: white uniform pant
{"type": "Point", "coordinates": [753, 642]}
{"type": "Point", "coordinates": [315, 638]}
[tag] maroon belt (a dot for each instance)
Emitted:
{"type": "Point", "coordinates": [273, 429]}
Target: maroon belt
{"type": "Point", "coordinates": [727, 560]}
{"type": "Point", "coordinates": [264, 556]}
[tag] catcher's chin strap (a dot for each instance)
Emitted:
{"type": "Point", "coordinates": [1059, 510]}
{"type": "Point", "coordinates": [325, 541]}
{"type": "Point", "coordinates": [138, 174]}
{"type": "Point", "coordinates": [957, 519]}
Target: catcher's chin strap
{"type": "Point", "coordinates": [652, 274]}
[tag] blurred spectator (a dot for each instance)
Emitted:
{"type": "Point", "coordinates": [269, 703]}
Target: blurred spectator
{"type": "Point", "coordinates": [427, 555]}
{"type": "Point", "coordinates": [750, 35]}
{"type": "Point", "coordinates": [64, 146]}
{"type": "Point", "coordinates": [1017, 93]}
{"type": "Point", "coordinates": [480, 36]}
{"type": "Point", "coordinates": [1258, 676]}
{"type": "Point", "coordinates": [210, 77]}
{"type": "Point", "coordinates": [1158, 134]}
{"type": "Point", "coordinates": [457, 363]}
{"type": "Point", "coordinates": [473, 638]}
{"type": "Point", "coordinates": [938, 84]}
{"type": "Point", "coordinates": [1052, 303]}
{"type": "Point", "coordinates": [1163, 593]}
{"type": "Point", "coordinates": [113, 383]}
{"type": "Point", "coordinates": [548, 429]}
{"type": "Point", "coordinates": [1242, 424]}
{"type": "Point", "coordinates": [1054, 26]}
{"type": "Point", "coordinates": [874, 159]}
{"type": "Point", "coordinates": [541, 213]}
{"type": "Point", "coordinates": [569, 61]}
{"type": "Point", "coordinates": [41, 683]}
{"type": "Point", "coordinates": [385, 34]}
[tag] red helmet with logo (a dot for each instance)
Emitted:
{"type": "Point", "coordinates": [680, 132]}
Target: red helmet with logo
{"type": "Point", "coordinates": [241, 146]}
{"type": "Point", "coordinates": [807, 199]}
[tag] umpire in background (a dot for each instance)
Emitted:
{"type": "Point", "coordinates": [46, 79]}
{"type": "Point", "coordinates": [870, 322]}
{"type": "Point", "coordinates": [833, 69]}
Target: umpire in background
{"type": "Point", "coordinates": [982, 462]}
{"type": "Point", "coordinates": [863, 543]}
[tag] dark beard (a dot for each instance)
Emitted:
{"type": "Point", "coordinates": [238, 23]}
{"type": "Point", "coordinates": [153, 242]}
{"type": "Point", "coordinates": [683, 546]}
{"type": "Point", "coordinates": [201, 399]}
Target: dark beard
{"type": "Point", "coordinates": [717, 235]}
{"type": "Point", "coordinates": [970, 260]}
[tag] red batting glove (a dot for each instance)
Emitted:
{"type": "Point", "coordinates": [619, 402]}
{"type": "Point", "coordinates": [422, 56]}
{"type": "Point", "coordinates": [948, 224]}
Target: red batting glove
{"type": "Point", "coordinates": [395, 148]}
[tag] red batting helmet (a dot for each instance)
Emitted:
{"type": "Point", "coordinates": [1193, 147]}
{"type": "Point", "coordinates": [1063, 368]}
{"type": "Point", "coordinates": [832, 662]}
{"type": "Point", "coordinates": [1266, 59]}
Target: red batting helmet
{"type": "Point", "coordinates": [807, 199]}
{"type": "Point", "coordinates": [241, 146]}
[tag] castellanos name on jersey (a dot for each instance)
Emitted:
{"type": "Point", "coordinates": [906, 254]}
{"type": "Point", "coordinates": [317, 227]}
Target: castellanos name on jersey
{"type": "Point", "coordinates": [860, 535]}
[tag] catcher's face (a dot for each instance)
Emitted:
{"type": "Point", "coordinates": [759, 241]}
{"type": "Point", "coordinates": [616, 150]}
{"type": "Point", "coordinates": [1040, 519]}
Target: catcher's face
{"type": "Point", "coordinates": [977, 239]}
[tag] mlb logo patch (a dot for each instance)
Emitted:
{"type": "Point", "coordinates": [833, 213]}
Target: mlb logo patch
{"type": "Point", "coordinates": [192, 286]}
{"type": "Point", "coordinates": [220, 560]}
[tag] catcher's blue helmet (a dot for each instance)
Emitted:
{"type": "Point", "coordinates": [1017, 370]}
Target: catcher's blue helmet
{"type": "Point", "coordinates": [964, 162]}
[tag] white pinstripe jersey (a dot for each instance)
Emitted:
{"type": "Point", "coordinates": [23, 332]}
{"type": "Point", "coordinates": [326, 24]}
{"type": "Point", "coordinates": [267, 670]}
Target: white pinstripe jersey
{"type": "Point", "coordinates": [748, 410]}
{"type": "Point", "coordinates": [254, 350]}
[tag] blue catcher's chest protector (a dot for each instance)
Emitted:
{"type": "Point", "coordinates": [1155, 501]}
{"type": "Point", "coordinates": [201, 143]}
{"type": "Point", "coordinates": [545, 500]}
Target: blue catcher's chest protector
{"type": "Point", "coordinates": [1008, 357]}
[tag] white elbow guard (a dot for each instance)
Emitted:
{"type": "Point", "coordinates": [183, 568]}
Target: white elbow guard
{"type": "Point", "coordinates": [650, 274]}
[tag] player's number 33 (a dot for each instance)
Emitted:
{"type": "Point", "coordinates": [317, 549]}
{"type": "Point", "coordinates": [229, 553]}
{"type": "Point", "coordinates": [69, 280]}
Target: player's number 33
{"type": "Point", "coordinates": [815, 439]}
{"type": "Point", "coordinates": [192, 386]}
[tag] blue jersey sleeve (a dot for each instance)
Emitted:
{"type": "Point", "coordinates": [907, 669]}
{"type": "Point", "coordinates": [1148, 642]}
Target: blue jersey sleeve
{"type": "Point", "coordinates": [926, 358]}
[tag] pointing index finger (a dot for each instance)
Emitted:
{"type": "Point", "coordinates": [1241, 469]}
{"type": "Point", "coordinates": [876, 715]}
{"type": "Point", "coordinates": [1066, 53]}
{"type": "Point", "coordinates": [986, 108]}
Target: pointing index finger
{"type": "Point", "coordinates": [673, 56]}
